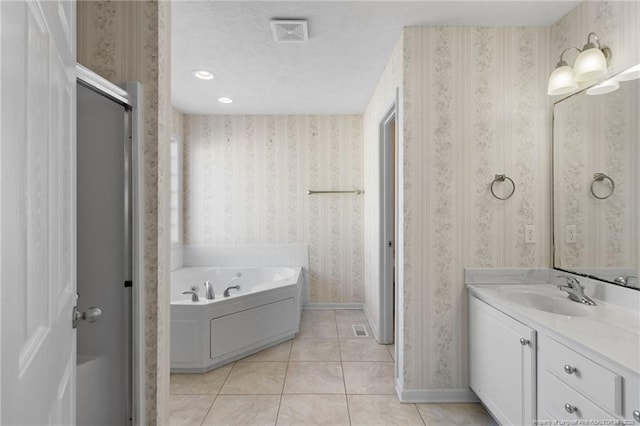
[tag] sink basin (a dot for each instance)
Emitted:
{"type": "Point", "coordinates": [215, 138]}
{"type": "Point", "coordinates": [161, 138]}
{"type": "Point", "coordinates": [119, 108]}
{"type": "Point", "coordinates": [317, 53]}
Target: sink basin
{"type": "Point", "coordinates": [555, 304]}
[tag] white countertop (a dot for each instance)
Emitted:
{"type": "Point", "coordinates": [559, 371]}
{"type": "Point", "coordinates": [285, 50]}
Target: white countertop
{"type": "Point", "coordinates": [609, 330]}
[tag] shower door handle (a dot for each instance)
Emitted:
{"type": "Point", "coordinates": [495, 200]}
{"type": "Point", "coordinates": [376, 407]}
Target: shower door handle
{"type": "Point", "coordinates": [92, 314]}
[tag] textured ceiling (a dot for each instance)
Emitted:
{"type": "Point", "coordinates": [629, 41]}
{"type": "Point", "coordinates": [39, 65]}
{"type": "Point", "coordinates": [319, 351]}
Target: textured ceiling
{"type": "Point", "coordinates": [334, 73]}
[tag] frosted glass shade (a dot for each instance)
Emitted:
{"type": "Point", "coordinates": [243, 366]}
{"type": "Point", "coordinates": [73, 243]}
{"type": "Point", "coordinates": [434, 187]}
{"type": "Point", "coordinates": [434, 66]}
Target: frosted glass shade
{"type": "Point", "coordinates": [608, 86]}
{"type": "Point", "coordinates": [630, 74]}
{"type": "Point", "coordinates": [561, 81]}
{"type": "Point", "coordinates": [590, 65]}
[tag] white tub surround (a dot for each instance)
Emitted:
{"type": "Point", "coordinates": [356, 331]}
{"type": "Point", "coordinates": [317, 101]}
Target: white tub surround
{"type": "Point", "coordinates": [585, 356]}
{"type": "Point", "coordinates": [263, 312]}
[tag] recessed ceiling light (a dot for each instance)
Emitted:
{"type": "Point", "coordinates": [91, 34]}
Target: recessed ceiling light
{"type": "Point", "coordinates": [203, 74]}
{"type": "Point", "coordinates": [225, 100]}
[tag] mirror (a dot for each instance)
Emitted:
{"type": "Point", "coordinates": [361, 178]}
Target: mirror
{"type": "Point", "coordinates": [596, 186]}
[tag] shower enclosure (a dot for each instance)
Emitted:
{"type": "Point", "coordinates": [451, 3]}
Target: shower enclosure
{"type": "Point", "coordinates": [108, 287]}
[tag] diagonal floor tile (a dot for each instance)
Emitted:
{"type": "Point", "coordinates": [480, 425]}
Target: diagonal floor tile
{"type": "Point", "coordinates": [188, 410]}
{"type": "Point", "coordinates": [369, 410]}
{"type": "Point", "coordinates": [255, 378]}
{"type": "Point", "coordinates": [243, 410]}
{"type": "Point", "coordinates": [314, 377]}
{"type": "Point", "coordinates": [313, 410]}
{"type": "Point", "coordinates": [369, 378]}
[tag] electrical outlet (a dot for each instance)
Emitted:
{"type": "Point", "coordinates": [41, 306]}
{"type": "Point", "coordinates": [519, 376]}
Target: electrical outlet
{"type": "Point", "coordinates": [529, 234]}
{"type": "Point", "coordinates": [570, 236]}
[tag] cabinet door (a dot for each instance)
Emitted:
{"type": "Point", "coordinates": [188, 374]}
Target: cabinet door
{"type": "Point", "coordinates": [502, 355]}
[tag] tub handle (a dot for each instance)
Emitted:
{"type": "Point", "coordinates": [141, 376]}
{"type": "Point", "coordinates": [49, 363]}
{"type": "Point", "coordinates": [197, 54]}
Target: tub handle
{"type": "Point", "coordinates": [194, 295]}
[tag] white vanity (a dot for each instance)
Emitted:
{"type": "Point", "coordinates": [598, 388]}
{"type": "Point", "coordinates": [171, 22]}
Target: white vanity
{"type": "Point", "coordinates": [537, 357]}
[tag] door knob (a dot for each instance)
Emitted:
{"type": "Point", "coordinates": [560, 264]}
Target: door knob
{"type": "Point", "coordinates": [570, 408]}
{"type": "Point", "coordinates": [524, 342]}
{"type": "Point", "coordinates": [92, 314]}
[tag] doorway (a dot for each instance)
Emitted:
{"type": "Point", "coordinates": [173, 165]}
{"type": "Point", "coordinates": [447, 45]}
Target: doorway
{"type": "Point", "coordinates": [108, 253]}
{"type": "Point", "coordinates": [388, 138]}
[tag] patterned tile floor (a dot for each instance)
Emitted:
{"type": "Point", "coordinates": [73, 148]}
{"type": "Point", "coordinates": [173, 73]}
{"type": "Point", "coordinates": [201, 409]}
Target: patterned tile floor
{"type": "Point", "coordinates": [326, 375]}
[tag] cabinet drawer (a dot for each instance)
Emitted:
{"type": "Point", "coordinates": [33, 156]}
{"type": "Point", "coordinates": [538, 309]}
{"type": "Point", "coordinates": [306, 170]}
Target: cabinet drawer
{"type": "Point", "coordinates": [596, 382]}
{"type": "Point", "coordinates": [554, 394]}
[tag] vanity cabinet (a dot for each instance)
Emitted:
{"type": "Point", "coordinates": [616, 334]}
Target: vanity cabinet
{"type": "Point", "coordinates": [503, 360]}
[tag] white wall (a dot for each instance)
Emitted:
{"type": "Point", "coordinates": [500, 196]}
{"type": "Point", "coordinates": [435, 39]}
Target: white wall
{"type": "Point", "coordinates": [246, 179]}
{"type": "Point", "coordinates": [383, 98]}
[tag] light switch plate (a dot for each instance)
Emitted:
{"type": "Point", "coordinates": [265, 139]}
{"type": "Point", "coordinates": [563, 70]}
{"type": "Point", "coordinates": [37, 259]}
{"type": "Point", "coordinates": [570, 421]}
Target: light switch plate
{"type": "Point", "coordinates": [529, 234]}
{"type": "Point", "coordinates": [570, 236]}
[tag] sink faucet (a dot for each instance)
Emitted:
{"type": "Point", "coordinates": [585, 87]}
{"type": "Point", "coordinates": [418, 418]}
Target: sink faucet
{"type": "Point", "coordinates": [575, 290]}
{"type": "Point", "coordinates": [209, 290]}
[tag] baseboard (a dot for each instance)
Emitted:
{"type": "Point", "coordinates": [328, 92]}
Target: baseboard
{"type": "Point", "coordinates": [418, 396]}
{"type": "Point", "coordinates": [332, 306]}
{"type": "Point", "coordinates": [374, 326]}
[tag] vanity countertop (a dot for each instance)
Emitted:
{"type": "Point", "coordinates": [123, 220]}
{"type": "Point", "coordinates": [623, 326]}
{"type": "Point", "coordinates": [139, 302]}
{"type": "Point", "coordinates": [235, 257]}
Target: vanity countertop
{"type": "Point", "coordinates": [607, 329]}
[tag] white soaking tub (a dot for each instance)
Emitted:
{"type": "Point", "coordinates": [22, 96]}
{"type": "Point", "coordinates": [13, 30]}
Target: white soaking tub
{"type": "Point", "coordinates": [265, 311]}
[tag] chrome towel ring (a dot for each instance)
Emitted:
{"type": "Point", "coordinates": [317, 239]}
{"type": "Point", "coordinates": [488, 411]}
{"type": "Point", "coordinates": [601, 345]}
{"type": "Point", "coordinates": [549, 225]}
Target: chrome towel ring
{"type": "Point", "coordinates": [599, 177]}
{"type": "Point", "coordinates": [502, 178]}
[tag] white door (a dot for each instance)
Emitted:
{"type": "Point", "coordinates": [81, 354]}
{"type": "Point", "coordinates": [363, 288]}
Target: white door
{"type": "Point", "coordinates": [37, 230]}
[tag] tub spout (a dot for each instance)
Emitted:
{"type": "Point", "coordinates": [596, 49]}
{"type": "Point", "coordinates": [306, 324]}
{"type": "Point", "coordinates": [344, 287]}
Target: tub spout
{"type": "Point", "coordinates": [209, 294]}
{"type": "Point", "coordinates": [233, 287]}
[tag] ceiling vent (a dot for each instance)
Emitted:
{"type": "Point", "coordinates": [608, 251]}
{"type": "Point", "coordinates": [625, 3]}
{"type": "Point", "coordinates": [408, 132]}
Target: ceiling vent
{"type": "Point", "coordinates": [290, 30]}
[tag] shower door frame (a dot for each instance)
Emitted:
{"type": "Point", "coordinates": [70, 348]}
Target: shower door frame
{"type": "Point", "coordinates": [131, 96]}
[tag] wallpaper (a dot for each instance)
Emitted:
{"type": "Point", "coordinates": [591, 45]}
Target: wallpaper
{"type": "Point", "coordinates": [246, 178]}
{"type": "Point", "coordinates": [383, 97]}
{"type": "Point", "coordinates": [130, 41]}
{"type": "Point", "coordinates": [475, 105]}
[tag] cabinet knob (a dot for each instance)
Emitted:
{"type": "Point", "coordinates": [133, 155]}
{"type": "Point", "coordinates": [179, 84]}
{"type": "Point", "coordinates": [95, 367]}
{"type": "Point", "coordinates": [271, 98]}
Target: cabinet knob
{"type": "Point", "coordinates": [570, 408]}
{"type": "Point", "coordinates": [523, 341]}
{"type": "Point", "coordinates": [569, 369]}
{"type": "Point", "coordinates": [636, 415]}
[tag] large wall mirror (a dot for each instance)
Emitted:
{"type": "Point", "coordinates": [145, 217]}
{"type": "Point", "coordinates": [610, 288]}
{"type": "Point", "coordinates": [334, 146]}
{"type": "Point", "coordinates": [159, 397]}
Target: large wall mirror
{"type": "Point", "coordinates": [596, 184]}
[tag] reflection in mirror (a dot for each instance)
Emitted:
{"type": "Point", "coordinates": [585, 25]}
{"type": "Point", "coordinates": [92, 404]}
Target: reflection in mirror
{"type": "Point", "coordinates": [596, 184]}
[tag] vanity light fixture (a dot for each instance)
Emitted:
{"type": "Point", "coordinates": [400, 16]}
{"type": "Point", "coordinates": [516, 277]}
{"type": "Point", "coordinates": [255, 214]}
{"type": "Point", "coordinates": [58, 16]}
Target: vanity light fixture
{"type": "Point", "coordinates": [590, 64]}
{"type": "Point", "coordinates": [225, 100]}
{"type": "Point", "coordinates": [630, 74]}
{"type": "Point", "coordinates": [203, 74]}
{"type": "Point", "coordinates": [606, 86]}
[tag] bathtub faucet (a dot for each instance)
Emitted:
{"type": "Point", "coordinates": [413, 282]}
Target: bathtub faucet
{"type": "Point", "coordinates": [209, 290]}
{"type": "Point", "coordinates": [226, 290]}
{"type": "Point", "coordinates": [194, 295]}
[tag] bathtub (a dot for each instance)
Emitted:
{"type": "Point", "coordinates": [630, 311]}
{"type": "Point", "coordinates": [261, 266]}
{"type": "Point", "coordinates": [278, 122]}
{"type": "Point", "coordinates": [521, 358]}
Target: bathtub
{"type": "Point", "coordinates": [206, 334]}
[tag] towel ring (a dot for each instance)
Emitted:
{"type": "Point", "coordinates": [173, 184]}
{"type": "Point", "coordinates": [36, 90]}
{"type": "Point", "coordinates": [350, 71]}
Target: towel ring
{"type": "Point", "coordinates": [599, 177]}
{"type": "Point", "coordinates": [502, 178]}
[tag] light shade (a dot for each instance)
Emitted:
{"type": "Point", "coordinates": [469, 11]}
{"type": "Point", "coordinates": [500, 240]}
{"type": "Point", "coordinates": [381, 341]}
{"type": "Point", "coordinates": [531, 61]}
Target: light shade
{"type": "Point", "coordinates": [590, 65]}
{"type": "Point", "coordinates": [561, 81]}
{"type": "Point", "coordinates": [630, 74]}
{"type": "Point", "coordinates": [608, 86]}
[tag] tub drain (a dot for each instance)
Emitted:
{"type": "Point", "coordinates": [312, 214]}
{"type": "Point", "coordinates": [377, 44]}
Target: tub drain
{"type": "Point", "coordinates": [359, 330]}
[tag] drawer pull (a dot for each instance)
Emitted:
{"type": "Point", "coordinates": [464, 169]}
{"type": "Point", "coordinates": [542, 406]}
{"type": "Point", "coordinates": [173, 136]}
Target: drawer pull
{"type": "Point", "coordinates": [570, 408]}
{"type": "Point", "coordinates": [523, 341]}
{"type": "Point", "coordinates": [569, 369]}
{"type": "Point", "coordinates": [636, 415]}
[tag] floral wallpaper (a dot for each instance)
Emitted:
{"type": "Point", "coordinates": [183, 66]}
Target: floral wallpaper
{"type": "Point", "coordinates": [246, 180]}
{"type": "Point", "coordinates": [130, 41]}
{"type": "Point", "coordinates": [475, 105]}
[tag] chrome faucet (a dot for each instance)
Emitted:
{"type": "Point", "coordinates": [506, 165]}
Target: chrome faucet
{"type": "Point", "coordinates": [226, 290]}
{"type": "Point", "coordinates": [194, 295]}
{"type": "Point", "coordinates": [624, 279]}
{"type": "Point", "coordinates": [235, 287]}
{"type": "Point", "coordinates": [209, 294]}
{"type": "Point", "coordinates": [575, 290]}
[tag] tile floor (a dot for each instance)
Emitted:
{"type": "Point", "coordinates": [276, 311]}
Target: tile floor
{"type": "Point", "coordinates": [326, 375]}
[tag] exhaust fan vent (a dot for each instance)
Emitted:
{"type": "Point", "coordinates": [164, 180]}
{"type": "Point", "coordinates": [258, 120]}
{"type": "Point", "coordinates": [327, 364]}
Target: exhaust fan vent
{"type": "Point", "coordinates": [290, 31]}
